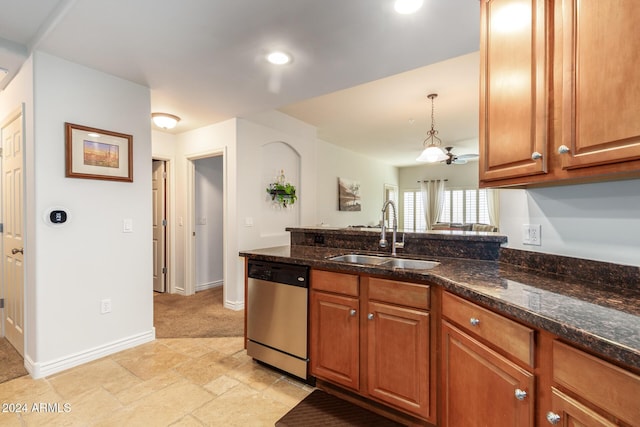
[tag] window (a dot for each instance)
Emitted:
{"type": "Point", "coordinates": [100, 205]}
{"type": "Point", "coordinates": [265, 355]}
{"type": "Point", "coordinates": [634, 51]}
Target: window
{"type": "Point", "coordinates": [413, 211]}
{"type": "Point", "coordinates": [459, 206]}
{"type": "Point", "coordinates": [465, 206]}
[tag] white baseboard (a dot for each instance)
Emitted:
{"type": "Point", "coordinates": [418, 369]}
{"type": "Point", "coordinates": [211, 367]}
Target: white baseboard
{"type": "Point", "coordinates": [209, 285]}
{"type": "Point", "coordinates": [43, 369]}
{"type": "Point", "coordinates": [234, 305]}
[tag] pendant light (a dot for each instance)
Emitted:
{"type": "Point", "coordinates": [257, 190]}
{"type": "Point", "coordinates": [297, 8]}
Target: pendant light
{"type": "Point", "coordinates": [432, 144]}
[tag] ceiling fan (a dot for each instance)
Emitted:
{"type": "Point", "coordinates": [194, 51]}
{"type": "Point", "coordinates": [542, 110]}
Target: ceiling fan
{"type": "Point", "coordinates": [457, 160]}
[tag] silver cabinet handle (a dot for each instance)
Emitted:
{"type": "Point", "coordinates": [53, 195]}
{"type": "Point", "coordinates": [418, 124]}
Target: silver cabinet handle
{"type": "Point", "coordinates": [553, 418]}
{"type": "Point", "coordinates": [563, 149]}
{"type": "Point", "coordinates": [16, 250]}
{"type": "Point", "coordinates": [520, 394]}
{"type": "Point", "coordinates": [352, 312]}
{"type": "Point", "coordinates": [370, 316]}
{"type": "Point", "coordinates": [474, 321]}
{"type": "Point", "coordinates": [536, 156]}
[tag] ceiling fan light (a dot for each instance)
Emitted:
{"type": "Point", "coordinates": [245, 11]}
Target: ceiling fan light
{"type": "Point", "coordinates": [432, 154]}
{"type": "Point", "coordinates": [165, 120]}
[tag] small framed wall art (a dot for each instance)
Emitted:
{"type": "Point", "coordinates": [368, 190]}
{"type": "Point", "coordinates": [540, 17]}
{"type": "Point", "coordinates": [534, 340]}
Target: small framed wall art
{"type": "Point", "coordinates": [98, 154]}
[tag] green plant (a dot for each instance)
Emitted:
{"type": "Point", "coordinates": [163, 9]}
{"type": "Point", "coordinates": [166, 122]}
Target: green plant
{"type": "Point", "coordinates": [283, 192]}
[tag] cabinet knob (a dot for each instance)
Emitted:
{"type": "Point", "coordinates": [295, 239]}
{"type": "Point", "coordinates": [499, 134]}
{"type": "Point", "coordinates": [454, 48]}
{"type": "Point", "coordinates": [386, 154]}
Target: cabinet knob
{"type": "Point", "coordinates": [553, 418]}
{"type": "Point", "coordinates": [474, 321]}
{"type": "Point", "coordinates": [352, 312]}
{"type": "Point", "coordinates": [520, 394]}
{"type": "Point", "coordinates": [370, 316]}
{"type": "Point", "coordinates": [536, 156]}
{"type": "Point", "coordinates": [563, 149]}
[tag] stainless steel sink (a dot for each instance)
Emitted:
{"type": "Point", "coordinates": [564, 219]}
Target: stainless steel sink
{"type": "Point", "coordinates": [360, 259]}
{"type": "Point", "coordinates": [409, 264]}
{"type": "Point", "coordinates": [385, 261]}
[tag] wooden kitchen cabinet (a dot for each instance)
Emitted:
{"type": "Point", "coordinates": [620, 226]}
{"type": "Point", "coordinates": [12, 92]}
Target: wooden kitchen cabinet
{"type": "Point", "coordinates": [560, 94]}
{"type": "Point", "coordinates": [389, 360]}
{"type": "Point", "coordinates": [601, 84]}
{"type": "Point", "coordinates": [483, 383]}
{"type": "Point", "coordinates": [335, 328]}
{"type": "Point", "coordinates": [587, 391]}
{"type": "Point", "coordinates": [398, 347]}
{"type": "Point", "coordinates": [513, 89]}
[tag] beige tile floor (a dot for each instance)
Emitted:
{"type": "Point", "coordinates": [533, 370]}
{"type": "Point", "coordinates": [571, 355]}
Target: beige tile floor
{"type": "Point", "coordinates": [168, 382]}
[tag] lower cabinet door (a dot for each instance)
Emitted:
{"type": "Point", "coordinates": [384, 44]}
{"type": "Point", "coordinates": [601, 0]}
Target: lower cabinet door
{"type": "Point", "coordinates": [480, 387]}
{"type": "Point", "coordinates": [568, 412]}
{"type": "Point", "coordinates": [398, 357]}
{"type": "Point", "coordinates": [335, 339]}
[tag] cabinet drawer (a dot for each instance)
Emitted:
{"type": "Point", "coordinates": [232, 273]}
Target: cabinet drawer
{"type": "Point", "coordinates": [401, 293]}
{"type": "Point", "coordinates": [611, 388]}
{"type": "Point", "coordinates": [340, 283]}
{"type": "Point", "coordinates": [509, 336]}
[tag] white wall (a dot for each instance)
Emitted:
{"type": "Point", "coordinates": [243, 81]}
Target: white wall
{"type": "Point", "coordinates": [209, 222]}
{"type": "Point", "coordinates": [213, 140]}
{"type": "Point", "coordinates": [336, 162]}
{"type": "Point", "coordinates": [599, 221]}
{"type": "Point", "coordinates": [90, 258]}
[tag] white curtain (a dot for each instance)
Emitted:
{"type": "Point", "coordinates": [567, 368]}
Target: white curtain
{"type": "Point", "coordinates": [433, 197]}
{"type": "Point", "coordinates": [493, 202]}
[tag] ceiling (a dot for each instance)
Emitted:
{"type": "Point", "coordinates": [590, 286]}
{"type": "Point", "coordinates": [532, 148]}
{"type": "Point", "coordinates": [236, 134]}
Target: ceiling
{"type": "Point", "coordinates": [361, 73]}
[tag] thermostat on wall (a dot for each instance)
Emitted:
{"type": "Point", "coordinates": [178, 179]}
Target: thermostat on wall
{"type": "Point", "coordinates": [56, 216]}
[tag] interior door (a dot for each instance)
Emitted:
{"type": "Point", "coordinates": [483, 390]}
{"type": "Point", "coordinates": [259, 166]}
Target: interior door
{"type": "Point", "coordinates": [159, 226]}
{"type": "Point", "coordinates": [13, 234]}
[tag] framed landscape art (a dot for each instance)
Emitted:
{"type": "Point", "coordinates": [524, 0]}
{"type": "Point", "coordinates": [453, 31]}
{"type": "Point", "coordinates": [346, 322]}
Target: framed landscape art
{"type": "Point", "coordinates": [98, 154]}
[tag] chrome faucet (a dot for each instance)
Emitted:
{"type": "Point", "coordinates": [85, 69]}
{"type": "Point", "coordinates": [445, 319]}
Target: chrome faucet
{"type": "Point", "coordinates": [383, 236]}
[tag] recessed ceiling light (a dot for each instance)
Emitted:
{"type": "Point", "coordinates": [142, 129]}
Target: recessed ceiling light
{"type": "Point", "coordinates": [279, 58]}
{"type": "Point", "coordinates": [406, 7]}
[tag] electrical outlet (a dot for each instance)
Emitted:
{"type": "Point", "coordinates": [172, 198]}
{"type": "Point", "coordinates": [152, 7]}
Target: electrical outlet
{"type": "Point", "coordinates": [105, 306]}
{"type": "Point", "coordinates": [531, 234]}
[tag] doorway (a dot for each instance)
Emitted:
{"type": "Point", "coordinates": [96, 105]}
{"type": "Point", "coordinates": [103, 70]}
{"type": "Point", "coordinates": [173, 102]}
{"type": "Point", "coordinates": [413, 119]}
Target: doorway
{"type": "Point", "coordinates": [208, 215]}
{"type": "Point", "coordinates": [159, 197]}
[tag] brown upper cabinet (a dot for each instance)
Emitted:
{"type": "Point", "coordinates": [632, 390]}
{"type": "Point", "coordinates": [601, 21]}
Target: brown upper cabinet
{"type": "Point", "coordinates": [559, 91]}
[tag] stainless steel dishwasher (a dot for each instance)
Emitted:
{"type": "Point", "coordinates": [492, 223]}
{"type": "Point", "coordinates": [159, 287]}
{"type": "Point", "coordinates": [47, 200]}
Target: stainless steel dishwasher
{"type": "Point", "coordinates": [277, 315]}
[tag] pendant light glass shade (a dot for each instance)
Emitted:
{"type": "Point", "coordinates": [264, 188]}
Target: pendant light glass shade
{"type": "Point", "coordinates": [432, 154]}
{"type": "Point", "coordinates": [432, 144]}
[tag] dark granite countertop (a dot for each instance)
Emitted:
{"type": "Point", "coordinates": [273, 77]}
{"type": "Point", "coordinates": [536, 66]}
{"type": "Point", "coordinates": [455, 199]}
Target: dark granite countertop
{"type": "Point", "coordinates": [603, 319]}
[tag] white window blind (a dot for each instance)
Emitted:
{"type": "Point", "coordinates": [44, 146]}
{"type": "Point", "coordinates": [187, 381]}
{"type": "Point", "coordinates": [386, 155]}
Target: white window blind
{"type": "Point", "coordinates": [459, 206]}
{"type": "Point", "coordinates": [413, 211]}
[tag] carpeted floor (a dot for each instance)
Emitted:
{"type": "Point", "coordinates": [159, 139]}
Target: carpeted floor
{"type": "Point", "coordinates": [197, 316]}
{"type": "Point", "coordinates": [320, 409]}
{"type": "Point", "coordinates": [11, 363]}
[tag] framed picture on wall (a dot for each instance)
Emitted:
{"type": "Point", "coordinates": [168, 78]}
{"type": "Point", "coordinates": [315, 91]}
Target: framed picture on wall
{"type": "Point", "coordinates": [98, 154]}
{"type": "Point", "coordinates": [349, 195]}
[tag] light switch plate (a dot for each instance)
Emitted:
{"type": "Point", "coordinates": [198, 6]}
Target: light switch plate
{"type": "Point", "coordinates": [127, 225]}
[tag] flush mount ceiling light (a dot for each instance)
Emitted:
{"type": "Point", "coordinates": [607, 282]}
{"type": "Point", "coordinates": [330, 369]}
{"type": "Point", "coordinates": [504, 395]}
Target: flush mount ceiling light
{"type": "Point", "coordinates": [165, 120]}
{"type": "Point", "coordinates": [279, 58]}
{"type": "Point", "coordinates": [432, 144]}
{"type": "Point", "coordinates": [406, 7]}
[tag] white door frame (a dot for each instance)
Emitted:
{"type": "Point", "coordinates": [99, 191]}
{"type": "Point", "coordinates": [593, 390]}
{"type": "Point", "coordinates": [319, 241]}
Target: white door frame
{"type": "Point", "coordinates": [190, 241]}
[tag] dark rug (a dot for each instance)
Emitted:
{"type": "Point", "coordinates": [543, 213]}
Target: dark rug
{"type": "Point", "coordinates": [201, 315]}
{"type": "Point", "coordinates": [323, 409]}
{"type": "Point", "coordinates": [11, 363]}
